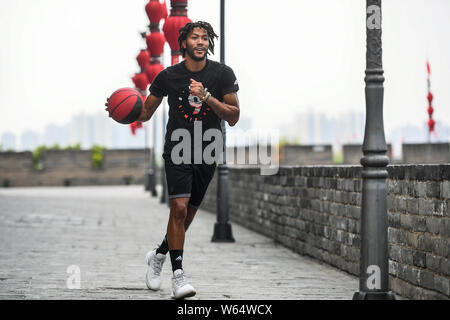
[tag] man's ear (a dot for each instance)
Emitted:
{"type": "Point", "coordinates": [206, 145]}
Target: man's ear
{"type": "Point", "coordinates": [183, 44]}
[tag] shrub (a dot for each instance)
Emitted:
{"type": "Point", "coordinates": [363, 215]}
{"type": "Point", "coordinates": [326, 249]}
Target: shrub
{"type": "Point", "coordinates": [37, 157]}
{"type": "Point", "coordinates": [97, 156]}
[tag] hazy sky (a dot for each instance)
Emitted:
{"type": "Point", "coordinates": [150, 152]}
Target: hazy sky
{"type": "Point", "coordinates": [60, 57]}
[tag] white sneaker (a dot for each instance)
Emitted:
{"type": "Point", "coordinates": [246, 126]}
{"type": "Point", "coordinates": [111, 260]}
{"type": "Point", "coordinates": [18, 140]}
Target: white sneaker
{"type": "Point", "coordinates": [180, 288]}
{"type": "Point", "coordinates": [155, 263]}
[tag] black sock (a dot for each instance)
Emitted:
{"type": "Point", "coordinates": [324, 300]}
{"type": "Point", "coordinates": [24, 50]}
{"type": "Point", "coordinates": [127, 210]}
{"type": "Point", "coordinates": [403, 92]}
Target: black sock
{"type": "Point", "coordinates": [163, 247]}
{"type": "Point", "coordinates": [176, 257]}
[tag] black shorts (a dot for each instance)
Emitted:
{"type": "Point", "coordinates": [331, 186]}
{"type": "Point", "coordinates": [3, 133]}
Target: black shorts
{"type": "Point", "coordinates": [188, 181]}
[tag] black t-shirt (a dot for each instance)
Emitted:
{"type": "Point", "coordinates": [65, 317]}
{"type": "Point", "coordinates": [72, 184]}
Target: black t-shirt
{"type": "Point", "coordinates": [185, 109]}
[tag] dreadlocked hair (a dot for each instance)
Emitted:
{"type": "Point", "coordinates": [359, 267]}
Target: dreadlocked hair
{"type": "Point", "coordinates": [183, 33]}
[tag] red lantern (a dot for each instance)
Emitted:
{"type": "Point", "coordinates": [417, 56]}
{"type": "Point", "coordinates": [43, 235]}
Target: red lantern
{"type": "Point", "coordinates": [155, 43]}
{"type": "Point", "coordinates": [155, 11]}
{"type": "Point", "coordinates": [431, 124]}
{"type": "Point", "coordinates": [143, 58]}
{"type": "Point", "coordinates": [177, 19]}
{"type": "Point", "coordinates": [140, 80]}
{"type": "Point", "coordinates": [152, 71]}
{"type": "Point", "coordinates": [171, 30]}
{"type": "Point", "coordinates": [430, 109]}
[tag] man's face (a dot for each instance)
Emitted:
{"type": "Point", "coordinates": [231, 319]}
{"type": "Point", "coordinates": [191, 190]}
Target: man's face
{"type": "Point", "coordinates": [197, 44]}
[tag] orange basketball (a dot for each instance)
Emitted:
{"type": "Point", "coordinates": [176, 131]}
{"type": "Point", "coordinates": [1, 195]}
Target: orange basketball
{"type": "Point", "coordinates": [125, 105]}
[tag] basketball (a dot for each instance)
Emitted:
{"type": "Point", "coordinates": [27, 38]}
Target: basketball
{"type": "Point", "coordinates": [125, 105]}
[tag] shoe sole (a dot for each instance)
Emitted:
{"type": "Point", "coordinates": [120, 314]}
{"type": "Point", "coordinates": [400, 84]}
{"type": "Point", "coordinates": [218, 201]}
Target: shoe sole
{"type": "Point", "coordinates": [187, 295]}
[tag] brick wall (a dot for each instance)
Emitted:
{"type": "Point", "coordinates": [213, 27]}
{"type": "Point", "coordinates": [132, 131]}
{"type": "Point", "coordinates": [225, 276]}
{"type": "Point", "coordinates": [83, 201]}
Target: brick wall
{"type": "Point", "coordinates": [306, 155]}
{"type": "Point", "coordinates": [426, 153]}
{"type": "Point", "coordinates": [315, 211]}
{"type": "Point", "coordinates": [73, 167]}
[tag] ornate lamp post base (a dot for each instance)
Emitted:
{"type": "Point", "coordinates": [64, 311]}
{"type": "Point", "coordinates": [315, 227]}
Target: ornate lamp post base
{"type": "Point", "coordinates": [222, 233]}
{"type": "Point", "coordinates": [151, 182]}
{"type": "Point", "coordinates": [222, 228]}
{"type": "Point", "coordinates": [147, 181]}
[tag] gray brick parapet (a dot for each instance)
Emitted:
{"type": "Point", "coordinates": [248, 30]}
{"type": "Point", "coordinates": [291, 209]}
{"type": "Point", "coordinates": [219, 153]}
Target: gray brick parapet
{"type": "Point", "coordinates": [426, 152]}
{"type": "Point", "coordinates": [315, 211]}
{"type": "Point", "coordinates": [73, 167]}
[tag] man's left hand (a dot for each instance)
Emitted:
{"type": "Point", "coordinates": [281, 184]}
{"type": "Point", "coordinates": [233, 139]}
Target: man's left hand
{"type": "Point", "coordinates": [197, 89]}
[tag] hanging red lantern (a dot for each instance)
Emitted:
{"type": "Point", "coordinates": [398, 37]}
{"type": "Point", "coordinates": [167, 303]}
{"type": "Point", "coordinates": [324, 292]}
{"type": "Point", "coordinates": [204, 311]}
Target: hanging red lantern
{"type": "Point", "coordinates": [171, 31]}
{"type": "Point", "coordinates": [177, 19]}
{"type": "Point", "coordinates": [431, 124]}
{"type": "Point", "coordinates": [155, 11]}
{"type": "Point", "coordinates": [140, 80]}
{"type": "Point", "coordinates": [430, 109]}
{"type": "Point", "coordinates": [152, 71]}
{"type": "Point", "coordinates": [155, 43]}
{"type": "Point", "coordinates": [143, 58]}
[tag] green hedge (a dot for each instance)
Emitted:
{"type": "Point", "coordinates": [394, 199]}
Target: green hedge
{"type": "Point", "coordinates": [37, 153]}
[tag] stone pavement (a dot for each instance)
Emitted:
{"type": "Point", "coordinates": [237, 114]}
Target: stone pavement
{"type": "Point", "coordinates": [106, 232]}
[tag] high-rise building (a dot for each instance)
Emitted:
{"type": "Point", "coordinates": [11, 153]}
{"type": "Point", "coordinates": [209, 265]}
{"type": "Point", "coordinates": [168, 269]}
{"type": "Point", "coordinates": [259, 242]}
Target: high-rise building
{"type": "Point", "coordinates": [8, 141]}
{"type": "Point", "coordinates": [29, 140]}
{"type": "Point", "coordinates": [54, 134]}
{"type": "Point", "coordinates": [318, 128]}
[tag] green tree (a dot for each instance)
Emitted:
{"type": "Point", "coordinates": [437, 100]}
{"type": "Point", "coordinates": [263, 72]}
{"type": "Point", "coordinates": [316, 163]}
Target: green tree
{"type": "Point", "coordinates": [76, 146]}
{"type": "Point", "coordinates": [97, 156]}
{"type": "Point", "coordinates": [296, 142]}
{"type": "Point", "coordinates": [338, 158]}
{"type": "Point", "coordinates": [37, 157]}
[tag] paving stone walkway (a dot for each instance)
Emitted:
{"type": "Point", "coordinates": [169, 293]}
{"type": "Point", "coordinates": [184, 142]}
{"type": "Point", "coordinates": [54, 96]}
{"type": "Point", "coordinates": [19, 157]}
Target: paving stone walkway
{"type": "Point", "coordinates": [104, 233]}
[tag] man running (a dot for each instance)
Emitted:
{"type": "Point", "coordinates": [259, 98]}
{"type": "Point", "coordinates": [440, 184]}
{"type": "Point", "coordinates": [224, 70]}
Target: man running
{"type": "Point", "coordinates": [200, 91]}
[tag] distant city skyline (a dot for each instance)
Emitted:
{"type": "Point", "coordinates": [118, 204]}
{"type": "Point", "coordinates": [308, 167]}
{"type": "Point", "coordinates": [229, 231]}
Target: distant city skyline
{"type": "Point", "coordinates": [310, 128]}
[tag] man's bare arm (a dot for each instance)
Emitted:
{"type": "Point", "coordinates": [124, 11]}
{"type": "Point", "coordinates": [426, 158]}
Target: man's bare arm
{"type": "Point", "coordinates": [227, 110]}
{"type": "Point", "coordinates": [151, 104]}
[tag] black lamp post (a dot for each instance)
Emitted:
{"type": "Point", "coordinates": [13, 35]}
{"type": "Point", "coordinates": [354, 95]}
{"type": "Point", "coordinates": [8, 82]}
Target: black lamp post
{"type": "Point", "coordinates": [152, 183]}
{"type": "Point", "coordinates": [164, 194]}
{"type": "Point", "coordinates": [222, 228]}
{"type": "Point", "coordinates": [374, 263]}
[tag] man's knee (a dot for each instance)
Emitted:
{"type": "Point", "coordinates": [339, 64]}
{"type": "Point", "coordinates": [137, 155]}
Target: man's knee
{"type": "Point", "coordinates": [178, 209]}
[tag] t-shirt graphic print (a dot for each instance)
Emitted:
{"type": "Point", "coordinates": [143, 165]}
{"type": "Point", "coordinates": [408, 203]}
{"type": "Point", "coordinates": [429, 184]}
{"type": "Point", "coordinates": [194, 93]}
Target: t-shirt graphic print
{"type": "Point", "coordinates": [184, 108]}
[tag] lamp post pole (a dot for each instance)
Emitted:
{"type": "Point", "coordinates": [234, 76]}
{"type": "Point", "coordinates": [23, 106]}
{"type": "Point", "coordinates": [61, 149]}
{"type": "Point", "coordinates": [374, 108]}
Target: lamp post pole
{"type": "Point", "coordinates": [154, 168]}
{"type": "Point", "coordinates": [222, 228]}
{"type": "Point", "coordinates": [164, 194]}
{"type": "Point", "coordinates": [374, 263]}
